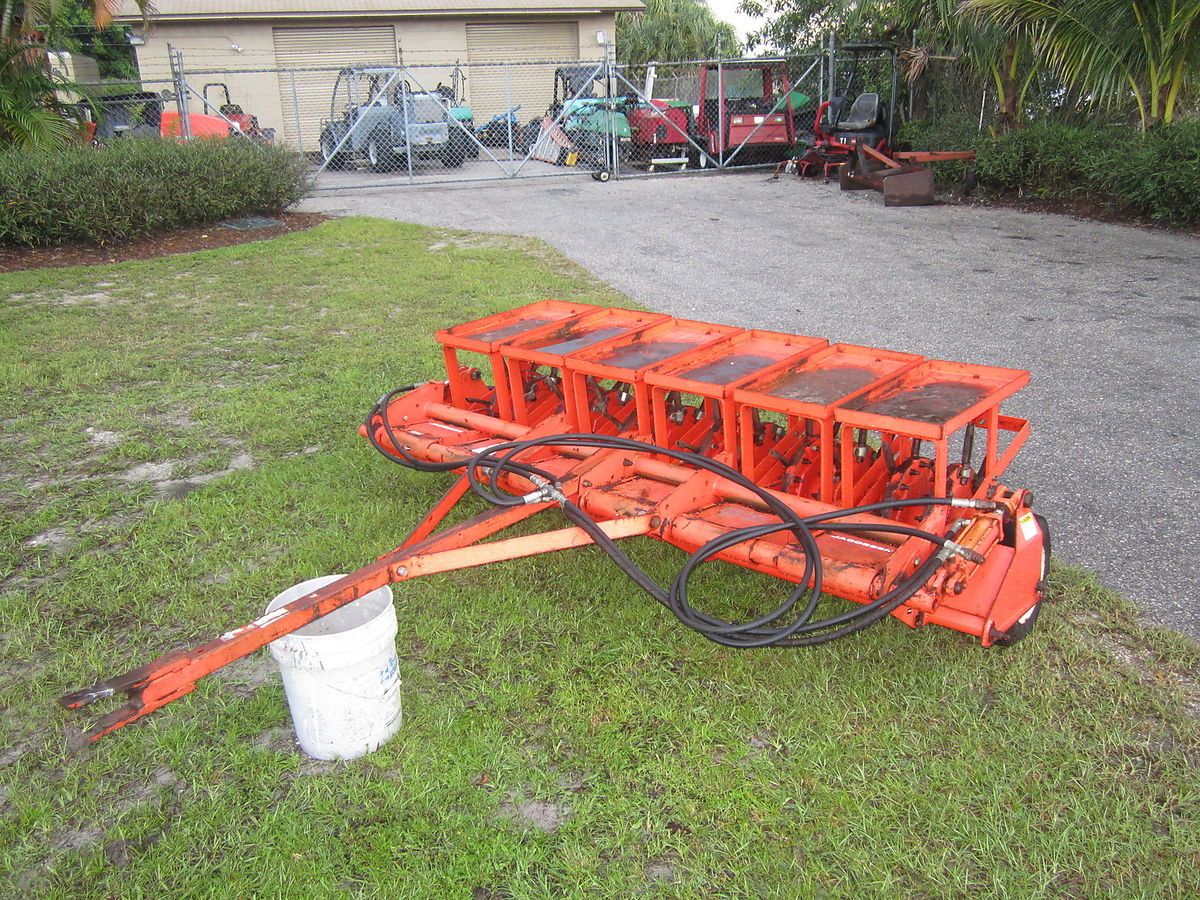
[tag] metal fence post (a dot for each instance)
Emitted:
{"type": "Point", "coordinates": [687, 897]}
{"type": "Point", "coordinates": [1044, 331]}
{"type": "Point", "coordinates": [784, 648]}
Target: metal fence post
{"type": "Point", "coordinates": [508, 117]}
{"type": "Point", "coordinates": [832, 66]}
{"type": "Point", "coordinates": [611, 161]}
{"type": "Point", "coordinates": [720, 114]}
{"type": "Point", "coordinates": [912, 84]}
{"type": "Point", "coordinates": [175, 57]}
{"type": "Point", "coordinates": [296, 110]}
{"type": "Point", "coordinates": [404, 106]}
{"type": "Point", "coordinates": [892, 101]}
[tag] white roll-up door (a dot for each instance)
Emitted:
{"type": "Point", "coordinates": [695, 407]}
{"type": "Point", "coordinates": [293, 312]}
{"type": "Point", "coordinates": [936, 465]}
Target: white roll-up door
{"type": "Point", "coordinates": [523, 54]}
{"type": "Point", "coordinates": [308, 59]}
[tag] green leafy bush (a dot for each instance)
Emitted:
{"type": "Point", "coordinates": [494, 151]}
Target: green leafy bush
{"type": "Point", "coordinates": [132, 187]}
{"type": "Point", "coordinates": [1155, 174]}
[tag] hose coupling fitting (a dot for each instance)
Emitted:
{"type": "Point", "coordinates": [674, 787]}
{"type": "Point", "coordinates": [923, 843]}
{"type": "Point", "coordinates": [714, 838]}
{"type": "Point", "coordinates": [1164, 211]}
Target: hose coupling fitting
{"type": "Point", "coordinates": [965, 503]}
{"type": "Point", "coordinates": [546, 491]}
{"type": "Point", "coordinates": [951, 548]}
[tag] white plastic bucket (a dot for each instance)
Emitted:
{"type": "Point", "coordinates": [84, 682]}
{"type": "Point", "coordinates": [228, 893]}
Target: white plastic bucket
{"type": "Point", "coordinates": [341, 674]}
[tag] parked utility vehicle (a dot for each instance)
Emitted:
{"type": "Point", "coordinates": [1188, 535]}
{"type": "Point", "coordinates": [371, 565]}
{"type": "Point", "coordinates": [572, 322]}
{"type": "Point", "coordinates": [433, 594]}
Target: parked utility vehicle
{"type": "Point", "coordinates": [376, 117]}
{"type": "Point", "coordinates": [745, 108]}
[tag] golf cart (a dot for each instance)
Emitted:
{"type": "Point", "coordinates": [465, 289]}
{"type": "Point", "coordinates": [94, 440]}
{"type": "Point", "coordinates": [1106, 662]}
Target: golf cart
{"type": "Point", "coordinates": [376, 117]}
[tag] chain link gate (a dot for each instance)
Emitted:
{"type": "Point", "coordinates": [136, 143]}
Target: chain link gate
{"type": "Point", "coordinates": [716, 114]}
{"type": "Point", "coordinates": [397, 121]}
{"type": "Point", "coordinates": [387, 125]}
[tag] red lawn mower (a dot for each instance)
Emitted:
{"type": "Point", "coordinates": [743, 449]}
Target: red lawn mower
{"type": "Point", "coordinates": [868, 120]}
{"type": "Point", "coordinates": [233, 113]}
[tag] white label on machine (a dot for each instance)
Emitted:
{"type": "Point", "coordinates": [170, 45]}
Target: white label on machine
{"type": "Point", "coordinates": [1029, 526]}
{"type": "Point", "coordinates": [758, 120]}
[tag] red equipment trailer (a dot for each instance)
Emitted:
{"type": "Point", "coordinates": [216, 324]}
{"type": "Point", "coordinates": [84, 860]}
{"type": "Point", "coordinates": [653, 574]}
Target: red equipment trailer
{"type": "Point", "coordinates": [828, 467]}
{"type": "Point", "coordinates": [745, 111]}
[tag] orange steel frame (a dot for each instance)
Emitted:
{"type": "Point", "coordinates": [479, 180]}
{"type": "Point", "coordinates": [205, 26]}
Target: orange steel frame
{"type": "Point", "coordinates": [713, 375]}
{"type": "Point", "coordinates": [627, 361]}
{"type": "Point", "coordinates": [549, 350]}
{"type": "Point", "coordinates": [823, 386]}
{"type": "Point", "coordinates": [993, 384]}
{"type": "Point", "coordinates": [485, 336]}
{"type": "Point", "coordinates": [984, 593]}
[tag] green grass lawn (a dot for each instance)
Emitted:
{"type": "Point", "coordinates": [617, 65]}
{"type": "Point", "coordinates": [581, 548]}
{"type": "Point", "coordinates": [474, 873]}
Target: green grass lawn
{"type": "Point", "coordinates": [179, 445]}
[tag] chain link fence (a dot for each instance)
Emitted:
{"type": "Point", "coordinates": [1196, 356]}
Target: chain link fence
{"type": "Point", "coordinates": [116, 110]}
{"type": "Point", "coordinates": [864, 84]}
{"type": "Point", "coordinates": [714, 114]}
{"type": "Point", "coordinates": [366, 121]}
{"type": "Point", "coordinates": [371, 123]}
{"type": "Point", "coordinates": [949, 91]}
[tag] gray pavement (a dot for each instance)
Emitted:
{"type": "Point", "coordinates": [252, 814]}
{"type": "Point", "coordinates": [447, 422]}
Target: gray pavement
{"type": "Point", "coordinates": [1106, 317]}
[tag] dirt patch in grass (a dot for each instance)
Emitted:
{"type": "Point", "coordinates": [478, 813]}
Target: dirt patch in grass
{"type": "Point", "coordinates": [184, 240]}
{"type": "Point", "coordinates": [542, 815]}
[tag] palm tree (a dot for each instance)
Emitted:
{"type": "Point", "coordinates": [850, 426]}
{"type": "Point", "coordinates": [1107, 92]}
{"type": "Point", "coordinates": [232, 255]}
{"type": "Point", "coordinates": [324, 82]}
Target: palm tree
{"type": "Point", "coordinates": [1002, 56]}
{"type": "Point", "coordinates": [31, 115]}
{"type": "Point", "coordinates": [1110, 49]}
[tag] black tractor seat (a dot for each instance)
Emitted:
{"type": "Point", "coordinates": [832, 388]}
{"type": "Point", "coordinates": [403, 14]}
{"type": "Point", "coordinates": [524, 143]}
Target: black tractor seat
{"type": "Point", "coordinates": [863, 115]}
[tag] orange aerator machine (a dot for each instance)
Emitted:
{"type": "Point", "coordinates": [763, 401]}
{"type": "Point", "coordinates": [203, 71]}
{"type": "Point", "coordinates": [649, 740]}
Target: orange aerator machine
{"type": "Point", "coordinates": [847, 472]}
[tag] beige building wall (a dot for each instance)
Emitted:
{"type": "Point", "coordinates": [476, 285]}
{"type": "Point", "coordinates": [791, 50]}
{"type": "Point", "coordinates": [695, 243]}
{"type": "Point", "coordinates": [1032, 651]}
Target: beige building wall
{"type": "Point", "coordinates": [241, 54]}
{"type": "Point", "coordinates": [226, 47]}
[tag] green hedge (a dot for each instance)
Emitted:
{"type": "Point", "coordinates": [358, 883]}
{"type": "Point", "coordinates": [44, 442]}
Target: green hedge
{"type": "Point", "coordinates": [1154, 174]}
{"type": "Point", "coordinates": [135, 187]}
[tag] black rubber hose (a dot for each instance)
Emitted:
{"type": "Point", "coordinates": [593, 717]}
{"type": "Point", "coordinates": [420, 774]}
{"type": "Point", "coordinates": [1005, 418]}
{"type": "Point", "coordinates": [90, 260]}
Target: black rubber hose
{"type": "Point", "coordinates": [402, 457]}
{"type": "Point", "coordinates": [486, 468]}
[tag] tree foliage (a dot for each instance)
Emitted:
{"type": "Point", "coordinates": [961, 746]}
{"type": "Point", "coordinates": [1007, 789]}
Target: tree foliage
{"type": "Point", "coordinates": [1117, 54]}
{"type": "Point", "coordinates": [674, 30]}
{"type": "Point", "coordinates": [30, 117]}
{"type": "Point", "coordinates": [31, 114]}
{"type": "Point", "coordinates": [1110, 49]}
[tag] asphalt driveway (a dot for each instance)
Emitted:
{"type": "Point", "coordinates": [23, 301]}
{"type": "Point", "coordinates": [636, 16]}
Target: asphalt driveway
{"type": "Point", "coordinates": [1106, 317]}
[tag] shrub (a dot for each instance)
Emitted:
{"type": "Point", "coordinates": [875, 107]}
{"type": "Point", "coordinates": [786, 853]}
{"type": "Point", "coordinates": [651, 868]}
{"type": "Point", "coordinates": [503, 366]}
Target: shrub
{"type": "Point", "coordinates": [1155, 174]}
{"type": "Point", "coordinates": [133, 187]}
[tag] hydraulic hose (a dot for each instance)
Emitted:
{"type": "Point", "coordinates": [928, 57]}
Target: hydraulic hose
{"type": "Point", "coordinates": [782, 626]}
